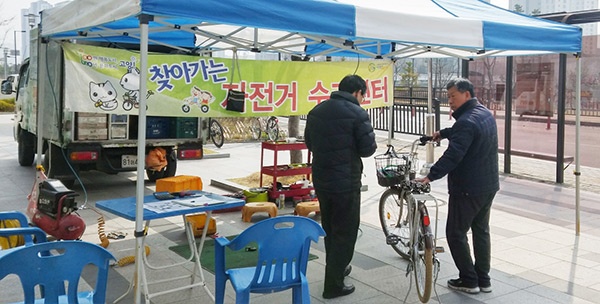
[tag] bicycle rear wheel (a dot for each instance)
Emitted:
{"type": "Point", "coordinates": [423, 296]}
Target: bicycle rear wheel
{"type": "Point", "coordinates": [423, 262]}
{"type": "Point", "coordinates": [272, 128]}
{"type": "Point", "coordinates": [255, 128]}
{"type": "Point", "coordinates": [393, 212]}
{"type": "Point", "coordinates": [216, 133]}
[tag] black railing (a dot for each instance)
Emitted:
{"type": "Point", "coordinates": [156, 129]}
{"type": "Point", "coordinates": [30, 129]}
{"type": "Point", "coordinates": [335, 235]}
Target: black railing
{"type": "Point", "coordinates": [407, 118]}
{"type": "Point", "coordinates": [409, 115]}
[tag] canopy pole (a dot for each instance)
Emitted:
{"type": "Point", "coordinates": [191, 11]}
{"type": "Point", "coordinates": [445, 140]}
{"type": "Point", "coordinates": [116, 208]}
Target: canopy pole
{"type": "Point", "coordinates": [577, 127]}
{"type": "Point", "coordinates": [391, 109]}
{"type": "Point", "coordinates": [41, 93]}
{"type": "Point", "coordinates": [141, 155]}
{"type": "Point", "coordinates": [429, 119]}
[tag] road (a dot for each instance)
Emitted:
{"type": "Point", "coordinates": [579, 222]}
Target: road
{"type": "Point", "coordinates": [534, 136]}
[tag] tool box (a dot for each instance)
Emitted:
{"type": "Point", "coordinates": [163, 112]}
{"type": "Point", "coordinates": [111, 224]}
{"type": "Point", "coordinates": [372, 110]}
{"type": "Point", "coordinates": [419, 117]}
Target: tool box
{"type": "Point", "coordinates": [179, 183]}
{"type": "Point", "coordinates": [198, 223]}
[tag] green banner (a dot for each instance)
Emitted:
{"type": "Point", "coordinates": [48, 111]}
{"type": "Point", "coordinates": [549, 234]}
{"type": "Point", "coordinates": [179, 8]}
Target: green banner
{"type": "Point", "coordinates": [106, 80]}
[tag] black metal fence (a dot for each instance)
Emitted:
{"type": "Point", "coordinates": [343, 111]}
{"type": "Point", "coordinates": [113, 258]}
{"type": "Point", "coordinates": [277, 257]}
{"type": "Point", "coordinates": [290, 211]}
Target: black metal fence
{"type": "Point", "coordinates": [409, 112]}
{"type": "Point", "coordinates": [406, 118]}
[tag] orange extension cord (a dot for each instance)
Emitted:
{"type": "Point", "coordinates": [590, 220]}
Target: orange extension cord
{"type": "Point", "coordinates": [104, 242]}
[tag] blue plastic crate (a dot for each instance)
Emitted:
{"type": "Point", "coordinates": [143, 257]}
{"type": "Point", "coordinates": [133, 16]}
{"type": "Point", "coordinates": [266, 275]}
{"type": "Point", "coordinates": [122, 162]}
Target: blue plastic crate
{"type": "Point", "coordinates": [158, 127]}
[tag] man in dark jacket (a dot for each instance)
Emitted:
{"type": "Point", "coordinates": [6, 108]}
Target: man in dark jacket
{"type": "Point", "coordinates": [338, 133]}
{"type": "Point", "coordinates": [471, 162]}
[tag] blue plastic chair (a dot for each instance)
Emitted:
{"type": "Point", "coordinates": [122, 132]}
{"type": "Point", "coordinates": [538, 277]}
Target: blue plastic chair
{"type": "Point", "coordinates": [283, 244]}
{"type": "Point", "coordinates": [51, 264]}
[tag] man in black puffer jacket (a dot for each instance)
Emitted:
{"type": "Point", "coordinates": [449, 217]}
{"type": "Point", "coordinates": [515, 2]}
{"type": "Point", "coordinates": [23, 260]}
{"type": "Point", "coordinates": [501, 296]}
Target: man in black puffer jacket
{"type": "Point", "coordinates": [338, 133]}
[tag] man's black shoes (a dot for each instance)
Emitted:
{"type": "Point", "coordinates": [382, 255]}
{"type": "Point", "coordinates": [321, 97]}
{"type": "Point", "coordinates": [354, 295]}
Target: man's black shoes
{"type": "Point", "coordinates": [458, 284]}
{"type": "Point", "coordinates": [346, 290]}
{"type": "Point", "coordinates": [348, 270]}
{"type": "Point", "coordinates": [338, 292]}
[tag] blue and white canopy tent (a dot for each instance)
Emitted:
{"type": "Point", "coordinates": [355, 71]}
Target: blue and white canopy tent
{"type": "Point", "coordinates": [374, 28]}
{"type": "Point", "coordinates": [461, 28]}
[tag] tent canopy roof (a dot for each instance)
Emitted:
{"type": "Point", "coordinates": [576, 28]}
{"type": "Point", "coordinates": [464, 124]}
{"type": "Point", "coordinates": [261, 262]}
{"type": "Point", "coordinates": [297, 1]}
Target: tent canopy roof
{"type": "Point", "coordinates": [374, 28]}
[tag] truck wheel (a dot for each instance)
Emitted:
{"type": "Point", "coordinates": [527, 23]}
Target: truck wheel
{"type": "Point", "coordinates": [154, 175]}
{"type": "Point", "coordinates": [167, 171]}
{"type": "Point", "coordinates": [171, 168]}
{"type": "Point", "coordinates": [26, 148]}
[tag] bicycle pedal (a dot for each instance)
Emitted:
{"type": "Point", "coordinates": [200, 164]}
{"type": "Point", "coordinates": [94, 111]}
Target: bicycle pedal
{"type": "Point", "coordinates": [439, 249]}
{"type": "Point", "coordinates": [392, 239]}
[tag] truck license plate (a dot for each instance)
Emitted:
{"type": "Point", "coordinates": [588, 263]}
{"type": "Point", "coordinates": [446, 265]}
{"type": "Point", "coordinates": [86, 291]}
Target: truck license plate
{"type": "Point", "coordinates": [128, 161]}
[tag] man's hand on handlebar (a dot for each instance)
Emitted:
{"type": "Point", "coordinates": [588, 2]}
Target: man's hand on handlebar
{"type": "Point", "coordinates": [423, 180]}
{"type": "Point", "coordinates": [421, 185]}
{"type": "Point", "coordinates": [436, 136]}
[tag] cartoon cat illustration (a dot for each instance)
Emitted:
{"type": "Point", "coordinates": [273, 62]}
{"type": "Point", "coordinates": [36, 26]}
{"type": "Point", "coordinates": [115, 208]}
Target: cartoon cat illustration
{"type": "Point", "coordinates": [131, 82]}
{"type": "Point", "coordinates": [104, 95]}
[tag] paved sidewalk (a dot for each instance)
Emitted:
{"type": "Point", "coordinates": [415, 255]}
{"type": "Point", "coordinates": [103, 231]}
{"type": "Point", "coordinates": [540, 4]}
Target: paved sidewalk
{"type": "Point", "coordinates": [537, 258]}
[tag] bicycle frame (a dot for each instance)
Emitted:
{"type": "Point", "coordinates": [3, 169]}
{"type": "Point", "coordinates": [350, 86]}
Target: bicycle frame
{"type": "Point", "coordinates": [418, 201]}
{"type": "Point", "coordinates": [412, 229]}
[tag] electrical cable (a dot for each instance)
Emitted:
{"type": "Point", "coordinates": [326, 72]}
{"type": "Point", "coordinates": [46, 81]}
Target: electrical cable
{"type": "Point", "coordinates": [357, 60]}
{"type": "Point", "coordinates": [130, 259]}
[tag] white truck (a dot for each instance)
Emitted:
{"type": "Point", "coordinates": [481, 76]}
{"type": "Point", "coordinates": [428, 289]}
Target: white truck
{"type": "Point", "coordinates": [95, 126]}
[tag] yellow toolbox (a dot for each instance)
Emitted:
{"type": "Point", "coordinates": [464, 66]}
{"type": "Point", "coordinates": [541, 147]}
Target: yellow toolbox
{"type": "Point", "coordinates": [179, 183]}
{"type": "Point", "coordinates": [199, 221]}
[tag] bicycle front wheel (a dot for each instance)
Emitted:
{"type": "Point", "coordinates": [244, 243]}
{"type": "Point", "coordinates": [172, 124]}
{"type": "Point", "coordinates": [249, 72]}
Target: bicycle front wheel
{"type": "Point", "coordinates": [393, 214]}
{"type": "Point", "coordinates": [216, 133]}
{"type": "Point", "coordinates": [272, 128]}
{"type": "Point", "coordinates": [255, 128]}
{"type": "Point", "coordinates": [423, 262]}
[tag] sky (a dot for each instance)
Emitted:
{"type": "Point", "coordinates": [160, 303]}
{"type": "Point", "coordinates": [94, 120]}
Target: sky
{"type": "Point", "coordinates": [500, 3]}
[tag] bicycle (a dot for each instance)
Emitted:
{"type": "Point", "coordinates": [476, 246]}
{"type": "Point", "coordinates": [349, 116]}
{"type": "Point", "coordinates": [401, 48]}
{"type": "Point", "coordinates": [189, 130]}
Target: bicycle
{"type": "Point", "coordinates": [404, 216]}
{"type": "Point", "coordinates": [269, 127]}
{"type": "Point", "coordinates": [215, 132]}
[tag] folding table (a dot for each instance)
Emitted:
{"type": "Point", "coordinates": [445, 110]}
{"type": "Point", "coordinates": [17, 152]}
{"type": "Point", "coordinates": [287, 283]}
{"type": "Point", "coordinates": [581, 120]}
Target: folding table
{"type": "Point", "coordinates": [200, 201]}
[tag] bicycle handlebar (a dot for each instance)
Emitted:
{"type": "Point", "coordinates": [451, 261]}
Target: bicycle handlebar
{"type": "Point", "coordinates": [421, 141]}
{"type": "Point", "coordinates": [419, 187]}
{"type": "Point", "coordinates": [424, 139]}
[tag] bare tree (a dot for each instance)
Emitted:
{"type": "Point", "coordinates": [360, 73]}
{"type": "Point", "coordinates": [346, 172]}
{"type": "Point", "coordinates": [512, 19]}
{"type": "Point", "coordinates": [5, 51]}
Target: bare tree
{"type": "Point", "coordinates": [488, 65]}
{"type": "Point", "coordinates": [443, 70]}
